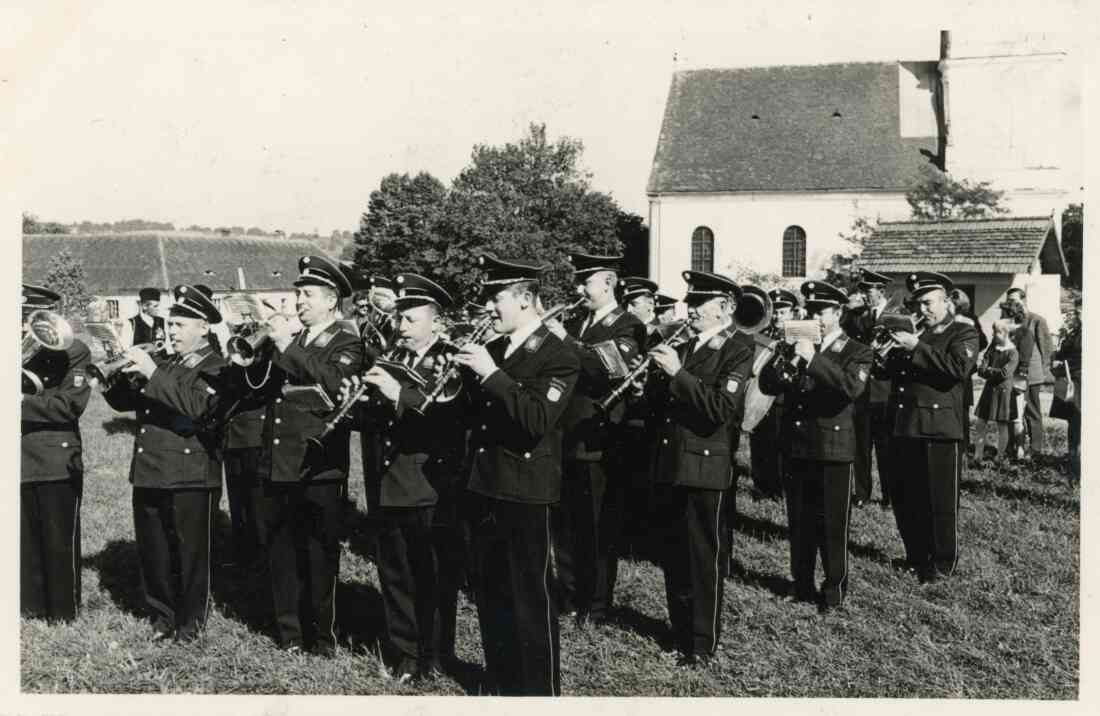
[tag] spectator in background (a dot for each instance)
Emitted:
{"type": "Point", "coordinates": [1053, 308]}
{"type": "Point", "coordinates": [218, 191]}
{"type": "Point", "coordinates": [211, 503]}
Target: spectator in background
{"type": "Point", "coordinates": [959, 305]}
{"type": "Point", "coordinates": [997, 404]}
{"type": "Point", "coordinates": [1068, 356]}
{"type": "Point", "coordinates": [1033, 341]}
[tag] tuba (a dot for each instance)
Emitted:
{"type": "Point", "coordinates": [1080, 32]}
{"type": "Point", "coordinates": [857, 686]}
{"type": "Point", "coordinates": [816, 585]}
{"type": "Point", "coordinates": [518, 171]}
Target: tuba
{"type": "Point", "coordinates": [754, 310]}
{"type": "Point", "coordinates": [47, 330]}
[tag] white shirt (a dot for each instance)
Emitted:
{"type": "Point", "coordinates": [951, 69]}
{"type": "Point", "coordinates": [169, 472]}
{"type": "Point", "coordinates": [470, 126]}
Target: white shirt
{"type": "Point", "coordinates": [521, 334]}
{"type": "Point", "coordinates": [708, 334]}
{"type": "Point", "coordinates": [828, 340]}
{"type": "Point", "coordinates": [420, 353]}
{"type": "Point", "coordinates": [876, 310]}
{"type": "Point", "coordinates": [599, 315]}
{"type": "Point", "coordinates": [315, 330]}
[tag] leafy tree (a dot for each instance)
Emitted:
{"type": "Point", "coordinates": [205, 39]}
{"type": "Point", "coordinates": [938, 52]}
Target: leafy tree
{"type": "Point", "coordinates": [400, 230]}
{"type": "Point", "coordinates": [31, 225]}
{"type": "Point", "coordinates": [66, 276]}
{"type": "Point", "coordinates": [254, 231]}
{"type": "Point", "coordinates": [634, 235]}
{"type": "Point", "coordinates": [938, 195]}
{"type": "Point", "coordinates": [841, 270]}
{"type": "Point", "coordinates": [1073, 219]}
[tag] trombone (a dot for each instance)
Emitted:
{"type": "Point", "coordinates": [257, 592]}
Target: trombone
{"type": "Point", "coordinates": [47, 330]}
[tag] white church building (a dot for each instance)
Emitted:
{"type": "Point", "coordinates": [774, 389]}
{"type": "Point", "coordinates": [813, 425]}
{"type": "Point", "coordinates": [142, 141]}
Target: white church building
{"type": "Point", "coordinates": [762, 168]}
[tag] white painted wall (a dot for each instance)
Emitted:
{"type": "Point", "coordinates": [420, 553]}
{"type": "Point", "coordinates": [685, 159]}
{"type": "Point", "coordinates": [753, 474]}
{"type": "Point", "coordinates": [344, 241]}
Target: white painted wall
{"type": "Point", "coordinates": [748, 228]}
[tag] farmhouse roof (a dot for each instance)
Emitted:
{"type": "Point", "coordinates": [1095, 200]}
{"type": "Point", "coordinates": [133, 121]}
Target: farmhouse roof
{"type": "Point", "coordinates": [122, 263]}
{"type": "Point", "coordinates": [774, 129]}
{"type": "Point", "coordinates": [998, 245]}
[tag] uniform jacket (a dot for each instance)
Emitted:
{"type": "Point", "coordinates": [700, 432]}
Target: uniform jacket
{"type": "Point", "coordinates": [928, 398]}
{"type": "Point", "coordinates": [516, 433]}
{"type": "Point", "coordinates": [817, 422]}
{"type": "Point", "coordinates": [415, 453]}
{"type": "Point", "coordinates": [174, 449]}
{"type": "Point", "coordinates": [242, 413]}
{"type": "Point", "coordinates": [51, 447]}
{"type": "Point", "coordinates": [696, 411]}
{"type": "Point", "coordinates": [287, 456]}
{"type": "Point", "coordinates": [862, 329]}
{"type": "Point", "coordinates": [586, 430]}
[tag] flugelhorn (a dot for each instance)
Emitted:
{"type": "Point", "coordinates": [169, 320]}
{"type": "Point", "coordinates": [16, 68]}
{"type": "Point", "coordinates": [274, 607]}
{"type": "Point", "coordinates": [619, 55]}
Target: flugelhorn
{"type": "Point", "coordinates": [246, 346]}
{"type": "Point", "coordinates": [104, 371]}
{"type": "Point", "coordinates": [477, 336]}
{"type": "Point", "coordinates": [46, 330]}
{"type": "Point", "coordinates": [681, 335]}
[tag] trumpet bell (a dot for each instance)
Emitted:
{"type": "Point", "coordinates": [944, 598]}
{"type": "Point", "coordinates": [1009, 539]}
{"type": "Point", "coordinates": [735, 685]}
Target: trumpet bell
{"type": "Point", "coordinates": [243, 349]}
{"type": "Point", "coordinates": [48, 330]}
{"type": "Point", "coordinates": [754, 310]}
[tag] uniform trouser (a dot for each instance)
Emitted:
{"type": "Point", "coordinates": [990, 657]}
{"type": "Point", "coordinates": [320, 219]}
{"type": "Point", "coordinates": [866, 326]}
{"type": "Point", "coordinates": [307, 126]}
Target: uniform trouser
{"type": "Point", "coordinates": [49, 555]}
{"type": "Point", "coordinates": [587, 525]}
{"type": "Point", "coordinates": [303, 527]}
{"type": "Point", "coordinates": [518, 618]}
{"type": "Point", "coordinates": [873, 430]}
{"type": "Point", "coordinates": [419, 590]}
{"type": "Point", "coordinates": [634, 467]}
{"type": "Point", "coordinates": [245, 488]}
{"type": "Point", "coordinates": [820, 507]}
{"type": "Point", "coordinates": [1033, 416]}
{"type": "Point", "coordinates": [172, 529]}
{"type": "Point", "coordinates": [926, 500]}
{"type": "Point", "coordinates": [767, 460]}
{"type": "Point", "coordinates": [968, 406]}
{"type": "Point", "coordinates": [694, 562]}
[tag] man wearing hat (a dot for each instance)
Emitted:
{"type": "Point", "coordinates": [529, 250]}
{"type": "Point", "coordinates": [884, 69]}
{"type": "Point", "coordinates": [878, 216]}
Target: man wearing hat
{"type": "Point", "coordinates": [589, 520]}
{"type": "Point", "coordinates": [766, 449]}
{"type": "Point", "coordinates": [696, 398]}
{"type": "Point", "coordinates": [639, 299]}
{"type": "Point", "coordinates": [411, 471]}
{"type": "Point", "coordinates": [664, 308]}
{"type": "Point", "coordinates": [176, 465]}
{"type": "Point", "coordinates": [51, 473]}
{"type": "Point", "coordinates": [871, 423]}
{"type": "Point", "coordinates": [818, 430]}
{"type": "Point", "coordinates": [305, 484]}
{"type": "Point", "coordinates": [521, 383]}
{"type": "Point", "coordinates": [929, 371]}
{"type": "Point", "coordinates": [145, 327]}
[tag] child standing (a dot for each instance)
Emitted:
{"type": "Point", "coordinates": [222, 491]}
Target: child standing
{"type": "Point", "coordinates": [999, 401]}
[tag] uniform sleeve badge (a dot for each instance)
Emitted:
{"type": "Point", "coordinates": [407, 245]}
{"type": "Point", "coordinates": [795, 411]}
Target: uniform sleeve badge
{"type": "Point", "coordinates": [78, 379]}
{"type": "Point", "coordinates": [556, 389]}
{"type": "Point", "coordinates": [624, 348]}
{"type": "Point", "coordinates": [969, 353]}
{"type": "Point", "coordinates": [862, 375]}
{"type": "Point", "coordinates": [344, 359]}
{"type": "Point", "coordinates": [731, 385]}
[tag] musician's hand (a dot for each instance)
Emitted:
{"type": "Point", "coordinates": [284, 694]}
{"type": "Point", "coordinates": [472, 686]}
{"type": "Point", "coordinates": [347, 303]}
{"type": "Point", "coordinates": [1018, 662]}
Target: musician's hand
{"type": "Point", "coordinates": [637, 385]}
{"type": "Point", "coordinates": [804, 349]}
{"type": "Point", "coordinates": [387, 384]}
{"type": "Point", "coordinates": [142, 362]}
{"type": "Point", "coordinates": [283, 330]}
{"type": "Point", "coordinates": [555, 327]}
{"type": "Point", "coordinates": [477, 359]}
{"type": "Point", "coordinates": [905, 339]}
{"type": "Point", "coordinates": [347, 387]}
{"type": "Point", "coordinates": [667, 359]}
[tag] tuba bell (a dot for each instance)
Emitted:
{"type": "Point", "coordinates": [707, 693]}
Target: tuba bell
{"type": "Point", "coordinates": [46, 330]}
{"type": "Point", "coordinates": [754, 310]}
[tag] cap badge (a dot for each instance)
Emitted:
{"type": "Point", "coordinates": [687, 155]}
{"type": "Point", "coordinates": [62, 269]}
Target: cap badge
{"type": "Point", "coordinates": [305, 260]}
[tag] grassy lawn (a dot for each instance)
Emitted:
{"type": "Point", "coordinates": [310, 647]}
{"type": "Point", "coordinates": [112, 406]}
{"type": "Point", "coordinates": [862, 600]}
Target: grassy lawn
{"type": "Point", "coordinates": [1006, 626]}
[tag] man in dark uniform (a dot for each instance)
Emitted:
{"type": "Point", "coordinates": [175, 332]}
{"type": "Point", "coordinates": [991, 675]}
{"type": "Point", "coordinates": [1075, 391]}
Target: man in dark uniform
{"type": "Point", "coordinates": [696, 397]}
{"type": "Point", "coordinates": [929, 371]}
{"type": "Point", "coordinates": [589, 520]}
{"type": "Point", "coordinates": [51, 474]}
{"type": "Point", "coordinates": [767, 451]}
{"type": "Point", "coordinates": [145, 327]}
{"type": "Point", "coordinates": [176, 465]}
{"type": "Point", "coordinates": [305, 482]}
{"type": "Point", "coordinates": [871, 424]}
{"type": "Point", "coordinates": [664, 308]}
{"type": "Point", "coordinates": [411, 472]}
{"type": "Point", "coordinates": [818, 427]}
{"type": "Point", "coordinates": [521, 384]}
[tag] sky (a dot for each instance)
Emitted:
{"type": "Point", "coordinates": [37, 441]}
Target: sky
{"type": "Point", "coordinates": [286, 115]}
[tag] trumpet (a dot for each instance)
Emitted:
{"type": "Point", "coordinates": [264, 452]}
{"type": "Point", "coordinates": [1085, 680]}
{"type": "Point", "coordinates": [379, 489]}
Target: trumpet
{"type": "Point", "coordinates": [47, 330]}
{"type": "Point", "coordinates": [477, 336]}
{"type": "Point", "coordinates": [680, 336]}
{"type": "Point", "coordinates": [562, 309]}
{"type": "Point", "coordinates": [104, 371]}
{"type": "Point", "coordinates": [883, 342]}
{"type": "Point", "coordinates": [246, 346]}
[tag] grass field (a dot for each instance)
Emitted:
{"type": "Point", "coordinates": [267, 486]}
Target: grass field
{"type": "Point", "coordinates": [1006, 626]}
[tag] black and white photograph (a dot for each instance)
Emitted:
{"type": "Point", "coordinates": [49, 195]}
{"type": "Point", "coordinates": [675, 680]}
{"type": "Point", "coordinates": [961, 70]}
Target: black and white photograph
{"type": "Point", "coordinates": [553, 350]}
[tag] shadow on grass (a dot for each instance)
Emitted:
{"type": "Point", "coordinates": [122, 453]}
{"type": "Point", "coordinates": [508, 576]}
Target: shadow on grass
{"type": "Point", "coordinates": [779, 586]}
{"type": "Point", "coordinates": [120, 425]}
{"type": "Point", "coordinates": [243, 592]}
{"type": "Point", "coordinates": [119, 575]}
{"type": "Point", "coordinates": [361, 532]}
{"type": "Point", "coordinates": [629, 618]}
{"type": "Point", "coordinates": [359, 616]}
{"type": "Point", "coordinates": [1018, 492]}
{"type": "Point", "coordinates": [765, 530]}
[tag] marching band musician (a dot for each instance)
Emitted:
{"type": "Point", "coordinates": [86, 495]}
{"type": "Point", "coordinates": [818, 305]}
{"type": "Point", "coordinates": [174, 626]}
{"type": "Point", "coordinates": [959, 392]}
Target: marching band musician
{"type": "Point", "coordinates": [664, 308]}
{"type": "Point", "coordinates": [411, 474]}
{"type": "Point", "coordinates": [639, 299]}
{"type": "Point", "coordinates": [766, 450]}
{"type": "Point", "coordinates": [695, 400]}
{"type": "Point", "coordinates": [589, 519]}
{"type": "Point", "coordinates": [51, 474]}
{"type": "Point", "coordinates": [929, 370]}
{"type": "Point", "coordinates": [305, 484]}
{"type": "Point", "coordinates": [176, 465]}
{"type": "Point", "coordinates": [871, 423]}
{"type": "Point", "coordinates": [818, 430]}
{"type": "Point", "coordinates": [524, 380]}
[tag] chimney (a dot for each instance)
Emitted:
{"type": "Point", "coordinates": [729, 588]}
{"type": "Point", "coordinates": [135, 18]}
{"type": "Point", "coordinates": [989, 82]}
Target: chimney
{"type": "Point", "coordinates": [240, 279]}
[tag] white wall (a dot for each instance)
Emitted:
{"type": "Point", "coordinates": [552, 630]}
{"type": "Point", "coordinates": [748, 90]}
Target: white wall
{"type": "Point", "coordinates": [748, 228]}
{"type": "Point", "coordinates": [1043, 296]}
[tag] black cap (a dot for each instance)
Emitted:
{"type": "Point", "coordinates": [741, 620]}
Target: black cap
{"type": "Point", "coordinates": [663, 302]}
{"type": "Point", "coordinates": [500, 274]}
{"type": "Point", "coordinates": [634, 286]}
{"type": "Point", "coordinates": [709, 285]}
{"type": "Point", "coordinates": [921, 282]}
{"type": "Point", "coordinates": [818, 295]}
{"type": "Point", "coordinates": [870, 279]}
{"type": "Point", "coordinates": [323, 271]}
{"type": "Point", "coordinates": [35, 297]}
{"type": "Point", "coordinates": [415, 290]}
{"type": "Point", "coordinates": [194, 302]}
{"type": "Point", "coordinates": [382, 283]}
{"type": "Point", "coordinates": [782, 298]}
{"type": "Point", "coordinates": [149, 294]}
{"type": "Point", "coordinates": [586, 264]}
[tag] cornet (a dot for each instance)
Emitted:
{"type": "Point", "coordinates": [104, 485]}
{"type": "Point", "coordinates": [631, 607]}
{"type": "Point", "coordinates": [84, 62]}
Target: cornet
{"type": "Point", "coordinates": [105, 371]}
{"type": "Point", "coordinates": [47, 330]}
